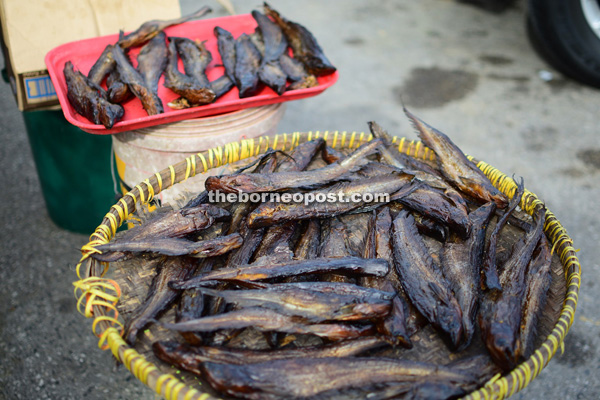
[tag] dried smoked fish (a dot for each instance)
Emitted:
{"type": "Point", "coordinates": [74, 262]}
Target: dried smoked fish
{"type": "Point", "coordinates": [259, 272]}
{"type": "Point", "coordinates": [455, 166]}
{"type": "Point", "coordinates": [88, 101]}
{"type": "Point", "coordinates": [422, 281]}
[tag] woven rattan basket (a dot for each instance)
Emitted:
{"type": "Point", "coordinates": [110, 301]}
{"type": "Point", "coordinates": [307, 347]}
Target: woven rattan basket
{"type": "Point", "coordinates": [99, 296]}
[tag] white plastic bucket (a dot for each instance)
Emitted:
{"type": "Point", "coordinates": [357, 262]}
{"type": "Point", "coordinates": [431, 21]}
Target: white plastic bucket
{"type": "Point", "coordinates": [143, 152]}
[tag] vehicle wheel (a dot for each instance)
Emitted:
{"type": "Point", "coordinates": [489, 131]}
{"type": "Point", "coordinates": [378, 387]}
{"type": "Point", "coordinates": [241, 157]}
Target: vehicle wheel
{"type": "Point", "coordinates": [566, 33]}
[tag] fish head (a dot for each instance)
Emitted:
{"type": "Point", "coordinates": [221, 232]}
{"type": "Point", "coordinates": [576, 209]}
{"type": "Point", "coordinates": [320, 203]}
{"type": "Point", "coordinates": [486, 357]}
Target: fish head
{"type": "Point", "coordinates": [501, 343]}
{"type": "Point", "coordinates": [233, 184]}
{"type": "Point", "coordinates": [450, 322]}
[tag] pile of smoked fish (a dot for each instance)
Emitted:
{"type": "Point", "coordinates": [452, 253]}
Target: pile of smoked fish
{"type": "Point", "coordinates": [266, 300]}
{"type": "Point", "coordinates": [250, 61]}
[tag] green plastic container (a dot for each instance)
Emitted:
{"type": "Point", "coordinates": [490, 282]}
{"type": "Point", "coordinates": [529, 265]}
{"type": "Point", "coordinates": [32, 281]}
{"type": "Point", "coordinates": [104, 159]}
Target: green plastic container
{"type": "Point", "coordinates": [74, 168]}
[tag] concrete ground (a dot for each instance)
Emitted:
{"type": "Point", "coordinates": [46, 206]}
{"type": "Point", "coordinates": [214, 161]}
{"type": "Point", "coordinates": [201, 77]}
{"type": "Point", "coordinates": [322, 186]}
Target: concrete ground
{"type": "Point", "coordinates": [472, 74]}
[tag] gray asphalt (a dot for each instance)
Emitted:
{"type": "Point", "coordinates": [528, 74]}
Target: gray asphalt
{"type": "Point", "coordinates": [469, 73]}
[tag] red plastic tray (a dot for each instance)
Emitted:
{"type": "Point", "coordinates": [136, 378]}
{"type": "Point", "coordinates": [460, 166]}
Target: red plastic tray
{"type": "Point", "coordinates": [84, 53]}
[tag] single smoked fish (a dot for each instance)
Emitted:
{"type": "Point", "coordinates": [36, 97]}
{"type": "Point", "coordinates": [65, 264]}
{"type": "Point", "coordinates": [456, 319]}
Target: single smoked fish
{"type": "Point", "coordinates": [88, 101]}
{"type": "Point", "coordinates": [538, 282]}
{"type": "Point", "coordinates": [149, 29]}
{"type": "Point", "coordinates": [315, 306]}
{"type": "Point", "coordinates": [247, 64]}
{"type": "Point", "coordinates": [195, 59]}
{"type": "Point", "coordinates": [461, 265]}
{"type": "Point", "coordinates": [489, 270]}
{"type": "Point", "coordinates": [190, 357]}
{"type": "Point", "coordinates": [423, 282]}
{"type": "Point", "coordinates": [152, 61]}
{"type": "Point", "coordinates": [129, 75]}
{"type": "Point", "coordinates": [160, 296]}
{"type": "Point", "coordinates": [304, 378]}
{"type": "Point", "coordinates": [184, 85]}
{"type": "Point", "coordinates": [455, 166]}
{"type": "Point", "coordinates": [303, 43]}
{"type": "Point", "coordinates": [500, 314]}
{"type": "Point", "coordinates": [291, 268]}
{"type": "Point", "coordinates": [268, 320]}
{"type": "Point", "coordinates": [270, 71]}
{"type": "Point", "coordinates": [226, 46]}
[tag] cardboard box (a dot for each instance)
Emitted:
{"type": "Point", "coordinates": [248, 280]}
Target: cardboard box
{"type": "Point", "coordinates": [32, 28]}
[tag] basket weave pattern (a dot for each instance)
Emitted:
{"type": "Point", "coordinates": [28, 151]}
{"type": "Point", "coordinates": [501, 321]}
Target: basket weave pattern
{"type": "Point", "coordinates": [98, 296]}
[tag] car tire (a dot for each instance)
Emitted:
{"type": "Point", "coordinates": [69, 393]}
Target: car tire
{"type": "Point", "coordinates": [562, 34]}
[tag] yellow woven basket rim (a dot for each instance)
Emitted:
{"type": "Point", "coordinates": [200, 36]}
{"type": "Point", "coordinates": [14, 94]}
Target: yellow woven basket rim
{"type": "Point", "coordinates": [97, 297]}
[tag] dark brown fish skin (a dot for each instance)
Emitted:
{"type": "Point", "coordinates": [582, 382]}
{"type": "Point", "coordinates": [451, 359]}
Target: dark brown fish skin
{"type": "Point", "coordinates": [277, 238]}
{"type": "Point", "coordinates": [129, 75]}
{"type": "Point", "coordinates": [301, 156]}
{"type": "Point", "coordinates": [431, 228]}
{"type": "Point", "coordinates": [270, 71]}
{"type": "Point", "coordinates": [179, 223]}
{"type": "Point", "coordinates": [184, 85]}
{"type": "Point", "coordinates": [226, 46]}
{"type": "Point", "coordinates": [296, 73]}
{"type": "Point", "coordinates": [118, 250]}
{"type": "Point", "coordinates": [291, 268]}
{"type": "Point", "coordinates": [88, 101]}
{"type": "Point", "coordinates": [461, 266]}
{"type": "Point", "coordinates": [195, 59]}
{"type": "Point", "coordinates": [171, 247]}
{"type": "Point", "coordinates": [312, 305]}
{"type": "Point", "coordinates": [152, 61]}
{"type": "Point", "coordinates": [392, 156]}
{"type": "Point", "coordinates": [102, 67]}
{"type": "Point", "coordinates": [445, 204]}
{"type": "Point", "coordinates": [339, 288]}
{"type": "Point", "coordinates": [423, 171]}
{"type": "Point", "coordinates": [247, 64]}
{"type": "Point", "coordinates": [500, 314]}
{"type": "Point", "coordinates": [333, 245]}
{"type": "Point", "coordinates": [379, 246]}
{"type": "Point", "coordinates": [360, 233]}
{"type": "Point", "coordinates": [256, 183]}
{"type": "Point", "coordinates": [303, 43]}
{"type": "Point", "coordinates": [395, 186]}
{"type": "Point", "coordinates": [537, 282]}
{"type": "Point", "coordinates": [423, 283]}
{"type": "Point", "coordinates": [308, 245]}
{"type": "Point", "coordinates": [243, 255]}
{"type": "Point", "coordinates": [150, 29]}
{"type": "Point", "coordinates": [489, 270]}
{"type": "Point", "coordinates": [221, 85]}
{"type": "Point", "coordinates": [456, 167]}
{"type": "Point", "coordinates": [276, 241]}
{"type": "Point", "coordinates": [190, 357]}
{"type": "Point", "coordinates": [160, 296]}
{"type": "Point", "coordinates": [266, 320]}
{"type": "Point", "coordinates": [331, 155]}
{"type": "Point", "coordinates": [239, 222]}
{"type": "Point", "coordinates": [117, 91]}
{"type": "Point", "coordinates": [305, 378]}
{"type": "Point", "coordinates": [434, 204]}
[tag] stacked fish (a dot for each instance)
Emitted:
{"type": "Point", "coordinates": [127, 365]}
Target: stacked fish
{"type": "Point", "coordinates": [249, 61]}
{"type": "Point", "coordinates": [297, 300]}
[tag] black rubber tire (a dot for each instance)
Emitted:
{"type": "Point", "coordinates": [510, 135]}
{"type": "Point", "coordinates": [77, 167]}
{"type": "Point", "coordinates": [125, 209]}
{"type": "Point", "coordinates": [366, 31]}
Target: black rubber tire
{"type": "Point", "coordinates": [562, 36]}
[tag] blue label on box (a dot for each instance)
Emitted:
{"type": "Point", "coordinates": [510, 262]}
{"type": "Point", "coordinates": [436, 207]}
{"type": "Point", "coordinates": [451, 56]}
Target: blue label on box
{"type": "Point", "coordinates": [39, 88]}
